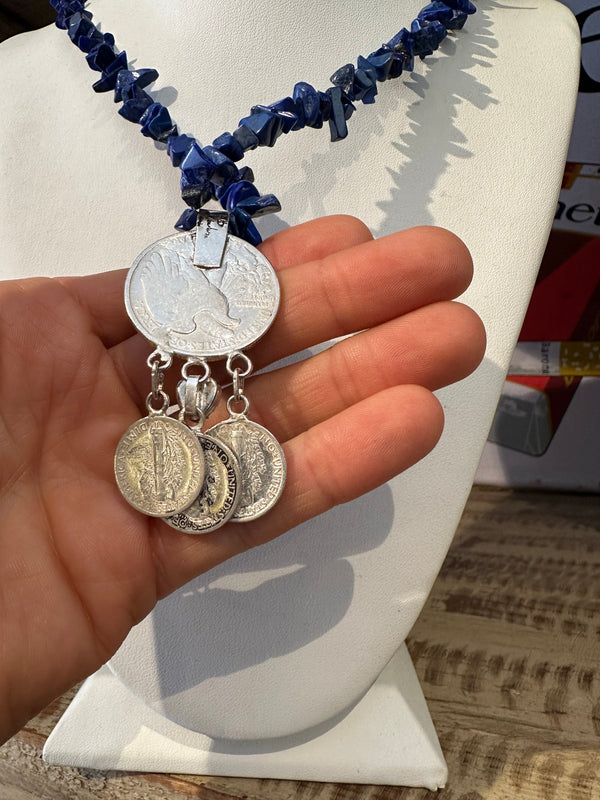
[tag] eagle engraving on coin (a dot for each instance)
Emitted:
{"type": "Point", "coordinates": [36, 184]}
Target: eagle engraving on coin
{"type": "Point", "coordinates": [201, 313]}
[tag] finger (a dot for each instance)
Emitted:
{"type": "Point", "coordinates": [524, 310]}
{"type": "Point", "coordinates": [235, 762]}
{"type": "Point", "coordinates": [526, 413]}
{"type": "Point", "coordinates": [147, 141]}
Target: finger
{"type": "Point", "coordinates": [338, 460]}
{"type": "Point", "coordinates": [345, 292]}
{"type": "Point", "coordinates": [101, 296]}
{"type": "Point", "coordinates": [364, 286]}
{"type": "Point", "coordinates": [431, 347]}
{"type": "Point", "coordinates": [314, 240]}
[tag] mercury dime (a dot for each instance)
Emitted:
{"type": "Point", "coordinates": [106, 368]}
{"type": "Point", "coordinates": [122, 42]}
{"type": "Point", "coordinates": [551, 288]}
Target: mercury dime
{"type": "Point", "coordinates": [220, 494]}
{"type": "Point", "coordinates": [201, 313]}
{"type": "Point", "coordinates": [159, 466]}
{"type": "Point", "coordinates": [262, 465]}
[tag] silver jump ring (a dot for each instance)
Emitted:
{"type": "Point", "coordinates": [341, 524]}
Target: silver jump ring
{"type": "Point", "coordinates": [247, 369]}
{"type": "Point", "coordinates": [242, 399]}
{"type": "Point", "coordinates": [157, 411]}
{"type": "Point", "coordinates": [164, 360]}
{"type": "Point", "coordinates": [238, 385]}
{"type": "Point", "coordinates": [192, 362]}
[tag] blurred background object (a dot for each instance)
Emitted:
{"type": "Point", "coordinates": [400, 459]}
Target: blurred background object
{"type": "Point", "coordinates": [17, 16]}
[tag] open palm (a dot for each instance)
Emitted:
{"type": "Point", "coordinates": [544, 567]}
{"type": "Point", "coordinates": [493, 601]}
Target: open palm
{"type": "Point", "coordinates": [78, 566]}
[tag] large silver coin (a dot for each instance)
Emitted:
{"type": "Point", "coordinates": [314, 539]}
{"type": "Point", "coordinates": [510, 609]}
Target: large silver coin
{"type": "Point", "coordinates": [262, 465]}
{"type": "Point", "coordinates": [220, 494]}
{"type": "Point", "coordinates": [200, 313]}
{"type": "Point", "coordinates": [159, 466]}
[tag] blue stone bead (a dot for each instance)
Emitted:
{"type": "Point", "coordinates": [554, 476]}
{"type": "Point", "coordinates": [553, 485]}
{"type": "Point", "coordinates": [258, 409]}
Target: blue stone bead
{"type": "Point", "coordinates": [188, 220]}
{"type": "Point", "coordinates": [366, 76]}
{"type": "Point", "coordinates": [246, 138]}
{"type": "Point", "coordinates": [337, 120]}
{"type": "Point", "coordinates": [307, 102]}
{"type": "Point", "coordinates": [324, 109]}
{"type": "Point", "coordinates": [402, 43]}
{"type": "Point", "coordinates": [65, 10]}
{"type": "Point", "coordinates": [108, 81]}
{"type": "Point", "coordinates": [458, 20]}
{"type": "Point", "coordinates": [461, 5]}
{"type": "Point", "coordinates": [80, 24]}
{"type": "Point", "coordinates": [225, 170]}
{"type": "Point", "coordinates": [386, 62]}
{"type": "Point", "coordinates": [196, 167]}
{"type": "Point", "coordinates": [87, 43]}
{"type": "Point", "coordinates": [344, 77]}
{"type": "Point", "coordinates": [236, 193]}
{"type": "Point", "coordinates": [177, 147]}
{"type": "Point", "coordinates": [240, 224]}
{"type": "Point", "coordinates": [100, 57]}
{"type": "Point", "coordinates": [427, 36]}
{"type": "Point", "coordinates": [286, 109]}
{"type": "Point", "coordinates": [196, 193]}
{"type": "Point", "coordinates": [156, 122]}
{"type": "Point", "coordinates": [259, 206]}
{"type": "Point", "coordinates": [246, 174]}
{"type": "Point", "coordinates": [435, 11]}
{"type": "Point", "coordinates": [130, 79]}
{"type": "Point", "coordinates": [229, 146]}
{"type": "Point", "coordinates": [266, 125]}
{"type": "Point", "coordinates": [134, 109]}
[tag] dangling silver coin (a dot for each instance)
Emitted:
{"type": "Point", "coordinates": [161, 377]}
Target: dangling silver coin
{"type": "Point", "coordinates": [159, 466]}
{"type": "Point", "coordinates": [201, 313]}
{"type": "Point", "coordinates": [262, 465]}
{"type": "Point", "coordinates": [220, 493]}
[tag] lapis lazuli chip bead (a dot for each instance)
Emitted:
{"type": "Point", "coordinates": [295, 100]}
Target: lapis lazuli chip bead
{"type": "Point", "coordinates": [196, 193]}
{"type": "Point", "coordinates": [337, 120]}
{"type": "Point", "coordinates": [236, 193]}
{"type": "Point", "coordinates": [427, 36]}
{"type": "Point", "coordinates": [156, 123]}
{"type": "Point", "coordinates": [196, 167]}
{"type": "Point", "coordinates": [287, 110]}
{"type": "Point", "coordinates": [402, 43]}
{"type": "Point", "coordinates": [134, 109]}
{"type": "Point", "coordinates": [64, 10]}
{"type": "Point", "coordinates": [128, 80]}
{"type": "Point", "coordinates": [229, 146]}
{"type": "Point", "coordinates": [461, 5]}
{"type": "Point", "coordinates": [188, 220]}
{"type": "Point", "coordinates": [436, 10]}
{"type": "Point", "coordinates": [265, 125]}
{"type": "Point", "coordinates": [240, 224]}
{"type": "Point", "coordinates": [225, 171]}
{"type": "Point", "coordinates": [259, 206]}
{"type": "Point", "coordinates": [108, 81]}
{"type": "Point", "coordinates": [246, 138]}
{"type": "Point", "coordinates": [102, 55]}
{"type": "Point", "coordinates": [178, 146]}
{"type": "Point", "coordinates": [307, 101]}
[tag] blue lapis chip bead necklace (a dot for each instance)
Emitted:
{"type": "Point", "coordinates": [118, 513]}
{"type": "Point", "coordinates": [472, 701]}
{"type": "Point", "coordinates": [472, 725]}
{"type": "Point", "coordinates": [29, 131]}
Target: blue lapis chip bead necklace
{"type": "Point", "coordinates": [210, 172]}
{"type": "Point", "coordinates": [206, 293]}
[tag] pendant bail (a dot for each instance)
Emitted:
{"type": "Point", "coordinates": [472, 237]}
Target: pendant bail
{"type": "Point", "coordinates": [211, 238]}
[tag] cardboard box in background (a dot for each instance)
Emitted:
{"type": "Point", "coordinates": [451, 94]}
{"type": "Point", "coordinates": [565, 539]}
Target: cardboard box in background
{"type": "Point", "coordinates": [546, 431]}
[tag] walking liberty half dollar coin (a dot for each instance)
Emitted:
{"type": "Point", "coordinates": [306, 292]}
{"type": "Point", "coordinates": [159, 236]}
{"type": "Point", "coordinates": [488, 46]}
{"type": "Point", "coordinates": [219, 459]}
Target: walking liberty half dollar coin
{"type": "Point", "coordinates": [159, 466]}
{"type": "Point", "coordinates": [220, 494]}
{"type": "Point", "coordinates": [201, 313]}
{"type": "Point", "coordinates": [262, 464]}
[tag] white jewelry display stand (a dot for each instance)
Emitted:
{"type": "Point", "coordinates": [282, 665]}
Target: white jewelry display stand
{"type": "Point", "coordinates": [264, 655]}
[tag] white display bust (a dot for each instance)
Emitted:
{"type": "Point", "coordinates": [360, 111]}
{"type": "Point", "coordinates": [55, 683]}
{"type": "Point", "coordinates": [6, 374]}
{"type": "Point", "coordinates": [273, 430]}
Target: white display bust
{"type": "Point", "coordinates": [286, 637]}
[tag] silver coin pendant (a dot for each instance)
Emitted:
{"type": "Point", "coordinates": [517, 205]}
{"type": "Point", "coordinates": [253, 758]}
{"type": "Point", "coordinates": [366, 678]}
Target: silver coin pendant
{"type": "Point", "coordinates": [262, 465]}
{"type": "Point", "coordinates": [159, 465]}
{"type": "Point", "coordinates": [220, 494]}
{"type": "Point", "coordinates": [201, 313]}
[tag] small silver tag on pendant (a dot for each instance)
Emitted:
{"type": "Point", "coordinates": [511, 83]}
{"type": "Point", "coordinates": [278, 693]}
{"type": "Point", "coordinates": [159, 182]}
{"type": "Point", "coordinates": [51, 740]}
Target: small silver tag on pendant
{"type": "Point", "coordinates": [211, 239]}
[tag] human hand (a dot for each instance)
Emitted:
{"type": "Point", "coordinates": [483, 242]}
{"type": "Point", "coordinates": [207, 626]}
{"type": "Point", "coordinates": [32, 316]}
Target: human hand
{"type": "Point", "coordinates": [78, 566]}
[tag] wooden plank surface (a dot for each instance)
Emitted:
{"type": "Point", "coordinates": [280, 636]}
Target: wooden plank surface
{"type": "Point", "coordinates": [508, 653]}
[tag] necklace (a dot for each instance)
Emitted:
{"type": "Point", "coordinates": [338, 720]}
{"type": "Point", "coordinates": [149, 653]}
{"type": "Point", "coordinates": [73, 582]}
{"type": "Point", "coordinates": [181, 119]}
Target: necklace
{"type": "Point", "coordinates": [210, 173]}
{"type": "Point", "coordinates": [207, 293]}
